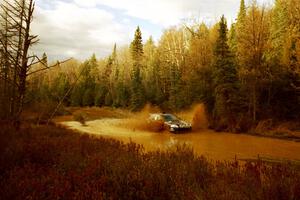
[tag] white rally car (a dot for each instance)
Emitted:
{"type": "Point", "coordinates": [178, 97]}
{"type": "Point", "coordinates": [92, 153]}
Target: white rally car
{"type": "Point", "coordinates": [171, 122]}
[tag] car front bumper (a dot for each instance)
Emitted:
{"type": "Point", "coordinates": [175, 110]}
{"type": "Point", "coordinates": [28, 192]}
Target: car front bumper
{"type": "Point", "coordinates": [180, 129]}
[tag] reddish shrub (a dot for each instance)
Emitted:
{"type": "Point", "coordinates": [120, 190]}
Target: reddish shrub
{"type": "Point", "coordinates": [54, 163]}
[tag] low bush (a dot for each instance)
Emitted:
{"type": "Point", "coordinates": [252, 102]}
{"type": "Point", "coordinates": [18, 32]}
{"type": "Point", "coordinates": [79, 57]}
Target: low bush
{"type": "Point", "coordinates": [80, 117]}
{"type": "Point", "coordinates": [54, 163]}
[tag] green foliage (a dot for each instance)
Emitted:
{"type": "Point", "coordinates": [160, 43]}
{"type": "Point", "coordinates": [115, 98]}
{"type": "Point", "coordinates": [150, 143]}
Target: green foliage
{"type": "Point", "coordinates": [175, 96]}
{"type": "Point", "coordinates": [76, 96]}
{"type": "Point", "coordinates": [88, 97]}
{"type": "Point", "coordinates": [225, 82]}
{"type": "Point", "coordinates": [60, 87]}
{"type": "Point", "coordinates": [83, 93]}
{"type": "Point", "coordinates": [136, 47]}
{"type": "Point", "coordinates": [137, 93]}
{"type": "Point", "coordinates": [279, 31]}
{"type": "Point", "coordinates": [242, 12]}
{"type": "Point", "coordinates": [232, 41]}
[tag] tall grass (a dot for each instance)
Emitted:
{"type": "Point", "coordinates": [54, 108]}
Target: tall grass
{"type": "Point", "coordinates": [54, 163]}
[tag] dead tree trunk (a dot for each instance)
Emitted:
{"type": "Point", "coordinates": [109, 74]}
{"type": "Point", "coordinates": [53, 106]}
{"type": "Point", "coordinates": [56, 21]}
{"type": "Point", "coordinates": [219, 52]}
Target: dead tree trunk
{"type": "Point", "coordinates": [15, 40]}
{"type": "Point", "coordinates": [24, 59]}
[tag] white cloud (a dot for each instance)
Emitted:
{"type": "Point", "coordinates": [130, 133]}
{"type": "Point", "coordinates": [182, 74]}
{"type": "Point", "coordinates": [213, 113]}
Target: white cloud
{"type": "Point", "coordinates": [86, 3]}
{"type": "Point", "coordinates": [71, 30]}
{"type": "Point", "coordinates": [81, 27]}
{"type": "Point", "coordinates": [171, 12]}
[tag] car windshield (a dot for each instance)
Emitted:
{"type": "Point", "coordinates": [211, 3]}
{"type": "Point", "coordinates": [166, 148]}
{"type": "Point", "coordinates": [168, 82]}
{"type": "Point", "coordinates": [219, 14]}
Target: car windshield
{"type": "Point", "coordinates": [169, 117]}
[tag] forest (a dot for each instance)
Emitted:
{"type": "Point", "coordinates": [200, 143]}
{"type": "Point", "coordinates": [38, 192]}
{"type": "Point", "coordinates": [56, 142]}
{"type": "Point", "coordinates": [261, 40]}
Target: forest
{"type": "Point", "coordinates": [246, 73]}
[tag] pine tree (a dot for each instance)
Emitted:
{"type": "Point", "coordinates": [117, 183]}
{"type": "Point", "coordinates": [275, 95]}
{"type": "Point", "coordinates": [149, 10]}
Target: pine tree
{"type": "Point", "coordinates": [114, 53]}
{"type": "Point", "coordinates": [176, 99]}
{"type": "Point", "coordinates": [136, 46]}
{"type": "Point", "coordinates": [114, 76]}
{"type": "Point", "coordinates": [225, 81]}
{"type": "Point", "coordinates": [84, 92]}
{"type": "Point", "coordinates": [76, 96]}
{"type": "Point", "coordinates": [233, 39]}
{"type": "Point", "coordinates": [137, 93]}
{"type": "Point", "coordinates": [242, 12]}
{"type": "Point", "coordinates": [44, 59]}
{"type": "Point", "coordinates": [279, 33]}
{"type": "Point", "coordinates": [150, 72]}
{"type": "Point", "coordinates": [240, 29]}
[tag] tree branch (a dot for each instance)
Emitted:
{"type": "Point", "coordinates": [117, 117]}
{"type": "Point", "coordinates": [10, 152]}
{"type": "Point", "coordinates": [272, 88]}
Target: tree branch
{"type": "Point", "coordinates": [46, 67]}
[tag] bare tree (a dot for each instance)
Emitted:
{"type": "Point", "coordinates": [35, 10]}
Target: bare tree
{"type": "Point", "coordinates": [15, 62]}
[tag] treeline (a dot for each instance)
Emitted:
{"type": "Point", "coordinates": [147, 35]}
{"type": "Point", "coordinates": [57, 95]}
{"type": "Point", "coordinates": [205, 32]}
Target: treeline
{"type": "Point", "coordinates": [243, 75]}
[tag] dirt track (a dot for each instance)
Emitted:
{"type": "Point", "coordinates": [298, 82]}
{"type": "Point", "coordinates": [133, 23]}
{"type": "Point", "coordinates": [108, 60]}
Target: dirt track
{"type": "Point", "coordinates": [216, 146]}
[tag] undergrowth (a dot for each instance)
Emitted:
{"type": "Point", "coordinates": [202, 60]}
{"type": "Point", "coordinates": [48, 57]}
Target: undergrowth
{"type": "Point", "coordinates": [54, 163]}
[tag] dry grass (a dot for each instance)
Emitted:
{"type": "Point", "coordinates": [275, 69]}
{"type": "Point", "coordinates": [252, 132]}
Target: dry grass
{"type": "Point", "coordinates": [54, 163]}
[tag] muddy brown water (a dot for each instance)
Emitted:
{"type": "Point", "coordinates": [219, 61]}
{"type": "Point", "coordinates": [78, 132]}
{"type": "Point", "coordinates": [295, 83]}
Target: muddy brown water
{"type": "Point", "coordinates": [215, 146]}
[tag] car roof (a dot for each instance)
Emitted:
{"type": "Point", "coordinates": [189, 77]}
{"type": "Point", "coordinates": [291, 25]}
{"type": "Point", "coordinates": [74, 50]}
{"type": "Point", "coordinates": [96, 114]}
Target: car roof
{"type": "Point", "coordinates": [161, 114]}
{"type": "Point", "coordinates": [166, 114]}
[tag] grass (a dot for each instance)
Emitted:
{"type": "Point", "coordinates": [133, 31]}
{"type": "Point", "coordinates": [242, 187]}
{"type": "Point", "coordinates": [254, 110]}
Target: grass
{"type": "Point", "coordinates": [53, 163]}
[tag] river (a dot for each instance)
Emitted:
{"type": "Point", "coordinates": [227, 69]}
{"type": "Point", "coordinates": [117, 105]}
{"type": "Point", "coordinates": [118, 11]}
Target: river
{"type": "Point", "coordinates": [215, 146]}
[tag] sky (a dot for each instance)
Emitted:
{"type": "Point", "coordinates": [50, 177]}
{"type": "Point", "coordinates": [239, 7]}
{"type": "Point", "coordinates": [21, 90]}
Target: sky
{"type": "Point", "coordinates": [79, 28]}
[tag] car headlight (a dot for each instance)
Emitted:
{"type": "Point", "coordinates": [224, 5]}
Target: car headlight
{"type": "Point", "coordinates": [174, 126]}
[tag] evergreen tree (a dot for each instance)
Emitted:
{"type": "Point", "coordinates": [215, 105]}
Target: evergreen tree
{"type": "Point", "coordinates": [136, 47]}
{"type": "Point", "coordinates": [59, 88]}
{"type": "Point", "coordinates": [76, 96]}
{"type": "Point", "coordinates": [176, 97]}
{"type": "Point", "coordinates": [225, 82]}
{"type": "Point", "coordinates": [232, 40]}
{"type": "Point", "coordinates": [137, 93]}
{"type": "Point", "coordinates": [240, 29]}
{"type": "Point", "coordinates": [150, 72]}
{"type": "Point", "coordinates": [279, 30]}
{"type": "Point", "coordinates": [114, 54]}
{"type": "Point", "coordinates": [114, 76]}
{"type": "Point", "coordinates": [242, 12]}
{"type": "Point", "coordinates": [84, 92]}
{"type": "Point", "coordinates": [44, 59]}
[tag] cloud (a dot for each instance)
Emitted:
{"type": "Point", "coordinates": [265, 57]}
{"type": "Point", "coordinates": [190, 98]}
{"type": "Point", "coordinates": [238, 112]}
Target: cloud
{"type": "Point", "coordinates": [79, 28]}
{"type": "Point", "coordinates": [171, 12]}
{"type": "Point", "coordinates": [71, 30]}
{"type": "Point", "coordinates": [166, 13]}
